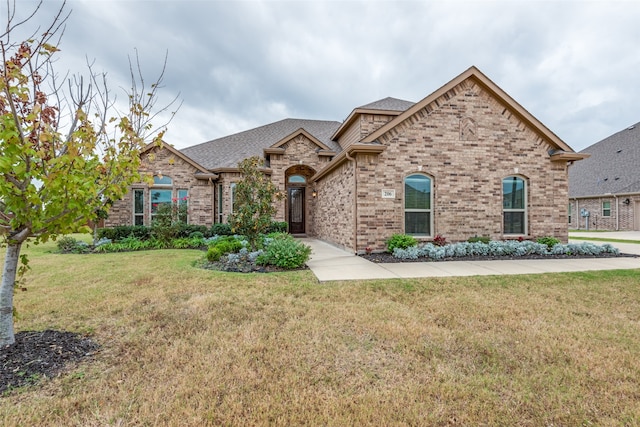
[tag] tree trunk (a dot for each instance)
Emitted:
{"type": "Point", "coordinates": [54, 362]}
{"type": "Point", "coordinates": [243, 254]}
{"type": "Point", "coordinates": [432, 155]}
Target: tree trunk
{"type": "Point", "coordinates": [11, 260]}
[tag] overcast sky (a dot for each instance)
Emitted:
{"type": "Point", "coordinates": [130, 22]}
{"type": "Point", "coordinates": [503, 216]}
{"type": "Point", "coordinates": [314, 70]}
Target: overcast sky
{"type": "Point", "coordinates": [575, 65]}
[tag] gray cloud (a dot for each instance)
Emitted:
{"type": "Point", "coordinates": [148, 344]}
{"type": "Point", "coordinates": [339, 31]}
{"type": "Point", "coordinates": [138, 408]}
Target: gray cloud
{"type": "Point", "coordinates": [240, 64]}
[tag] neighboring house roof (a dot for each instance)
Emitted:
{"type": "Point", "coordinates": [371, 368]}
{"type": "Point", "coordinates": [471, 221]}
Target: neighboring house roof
{"type": "Point", "coordinates": [227, 151]}
{"type": "Point", "coordinates": [563, 151]}
{"type": "Point", "coordinates": [613, 168]}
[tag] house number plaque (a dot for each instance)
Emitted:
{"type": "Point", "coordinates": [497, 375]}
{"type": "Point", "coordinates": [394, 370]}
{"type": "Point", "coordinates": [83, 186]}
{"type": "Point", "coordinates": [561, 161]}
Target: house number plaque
{"type": "Point", "coordinates": [388, 194]}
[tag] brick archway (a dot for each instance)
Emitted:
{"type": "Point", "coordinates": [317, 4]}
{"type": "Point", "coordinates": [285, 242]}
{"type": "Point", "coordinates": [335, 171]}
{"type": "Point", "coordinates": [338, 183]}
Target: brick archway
{"type": "Point", "coordinates": [298, 211]}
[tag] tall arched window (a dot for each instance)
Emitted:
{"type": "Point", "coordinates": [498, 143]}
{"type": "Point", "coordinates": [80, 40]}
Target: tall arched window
{"type": "Point", "coordinates": [417, 205]}
{"type": "Point", "coordinates": [514, 205]}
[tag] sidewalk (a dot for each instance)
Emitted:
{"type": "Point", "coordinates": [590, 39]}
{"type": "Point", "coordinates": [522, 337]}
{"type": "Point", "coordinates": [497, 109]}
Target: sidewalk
{"type": "Point", "coordinates": [330, 263]}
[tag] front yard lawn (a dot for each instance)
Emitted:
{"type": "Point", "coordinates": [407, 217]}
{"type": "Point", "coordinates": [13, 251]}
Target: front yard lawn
{"type": "Point", "coordinates": [181, 345]}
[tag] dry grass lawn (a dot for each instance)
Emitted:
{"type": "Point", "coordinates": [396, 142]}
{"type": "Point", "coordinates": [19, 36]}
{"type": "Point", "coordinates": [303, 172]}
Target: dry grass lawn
{"type": "Point", "coordinates": [183, 346]}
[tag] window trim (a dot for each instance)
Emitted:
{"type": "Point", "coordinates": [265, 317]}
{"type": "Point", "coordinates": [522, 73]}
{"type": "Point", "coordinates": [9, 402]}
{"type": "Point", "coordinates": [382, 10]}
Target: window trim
{"type": "Point", "coordinates": [134, 212]}
{"type": "Point", "coordinates": [232, 197]}
{"type": "Point", "coordinates": [183, 200]}
{"type": "Point", "coordinates": [220, 203]}
{"type": "Point", "coordinates": [606, 215]}
{"type": "Point", "coordinates": [524, 209]}
{"type": "Point", "coordinates": [429, 211]}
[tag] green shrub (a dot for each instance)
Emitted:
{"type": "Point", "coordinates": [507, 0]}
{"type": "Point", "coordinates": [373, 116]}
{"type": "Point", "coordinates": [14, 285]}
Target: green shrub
{"type": "Point", "coordinates": [481, 239]}
{"type": "Point", "coordinates": [549, 241]}
{"type": "Point", "coordinates": [221, 229]}
{"type": "Point", "coordinates": [401, 241]}
{"type": "Point", "coordinates": [188, 243]}
{"type": "Point", "coordinates": [213, 254]}
{"type": "Point", "coordinates": [115, 234]}
{"type": "Point", "coordinates": [277, 227]}
{"type": "Point", "coordinates": [186, 230]}
{"type": "Point", "coordinates": [228, 245]}
{"type": "Point", "coordinates": [69, 245]}
{"type": "Point", "coordinates": [196, 235]}
{"type": "Point", "coordinates": [285, 252]}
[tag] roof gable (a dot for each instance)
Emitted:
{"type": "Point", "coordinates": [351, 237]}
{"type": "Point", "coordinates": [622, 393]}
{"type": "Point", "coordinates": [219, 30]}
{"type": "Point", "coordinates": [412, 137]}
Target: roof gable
{"type": "Point", "coordinates": [483, 81]}
{"type": "Point", "coordinates": [306, 134]}
{"type": "Point", "coordinates": [387, 106]}
{"type": "Point", "coordinates": [150, 147]}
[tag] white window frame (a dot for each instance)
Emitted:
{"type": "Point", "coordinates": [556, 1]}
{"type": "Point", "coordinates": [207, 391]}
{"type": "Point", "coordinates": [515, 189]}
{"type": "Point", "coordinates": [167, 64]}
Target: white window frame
{"type": "Point", "coordinates": [524, 209]}
{"type": "Point", "coordinates": [232, 197]}
{"type": "Point", "coordinates": [138, 214]}
{"type": "Point", "coordinates": [606, 215]}
{"type": "Point", "coordinates": [220, 203]}
{"type": "Point", "coordinates": [429, 210]}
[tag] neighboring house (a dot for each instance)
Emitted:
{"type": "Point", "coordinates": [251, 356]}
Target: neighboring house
{"type": "Point", "coordinates": [465, 161]}
{"type": "Point", "coordinates": [607, 184]}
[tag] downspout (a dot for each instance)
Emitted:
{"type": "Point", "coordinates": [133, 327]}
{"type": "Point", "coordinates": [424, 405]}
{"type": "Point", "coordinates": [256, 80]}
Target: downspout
{"type": "Point", "coordinates": [617, 214]}
{"type": "Point", "coordinates": [355, 195]}
{"type": "Point", "coordinates": [577, 213]}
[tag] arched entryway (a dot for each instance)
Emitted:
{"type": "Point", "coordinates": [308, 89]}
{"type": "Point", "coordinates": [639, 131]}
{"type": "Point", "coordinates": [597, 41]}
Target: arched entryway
{"type": "Point", "coordinates": [298, 194]}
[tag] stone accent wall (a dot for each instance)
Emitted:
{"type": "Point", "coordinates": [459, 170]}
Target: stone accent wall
{"type": "Point", "coordinates": [162, 161]}
{"type": "Point", "coordinates": [299, 151]}
{"type": "Point", "coordinates": [335, 207]}
{"type": "Point", "coordinates": [626, 215]}
{"type": "Point", "coordinates": [467, 171]}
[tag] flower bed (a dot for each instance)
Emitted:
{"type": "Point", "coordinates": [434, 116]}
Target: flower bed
{"type": "Point", "coordinates": [510, 249]}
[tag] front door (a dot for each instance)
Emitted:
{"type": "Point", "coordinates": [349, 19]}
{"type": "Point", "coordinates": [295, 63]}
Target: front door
{"type": "Point", "coordinates": [636, 216]}
{"type": "Point", "coordinates": [296, 210]}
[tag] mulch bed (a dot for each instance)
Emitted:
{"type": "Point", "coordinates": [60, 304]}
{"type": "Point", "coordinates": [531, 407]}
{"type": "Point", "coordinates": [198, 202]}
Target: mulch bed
{"type": "Point", "coordinates": [41, 354]}
{"type": "Point", "coordinates": [385, 257]}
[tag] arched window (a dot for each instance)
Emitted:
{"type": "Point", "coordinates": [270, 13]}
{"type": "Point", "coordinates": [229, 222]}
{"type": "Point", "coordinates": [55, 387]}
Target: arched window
{"type": "Point", "coordinates": [514, 205]}
{"type": "Point", "coordinates": [297, 179]}
{"type": "Point", "coordinates": [417, 205]}
{"type": "Point", "coordinates": [162, 180]}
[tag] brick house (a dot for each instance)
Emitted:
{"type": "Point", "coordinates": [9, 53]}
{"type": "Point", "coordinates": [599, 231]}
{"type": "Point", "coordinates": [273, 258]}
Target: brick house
{"type": "Point", "coordinates": [465, 161]}
{"type": "Point", "coordinates": [607, 184]}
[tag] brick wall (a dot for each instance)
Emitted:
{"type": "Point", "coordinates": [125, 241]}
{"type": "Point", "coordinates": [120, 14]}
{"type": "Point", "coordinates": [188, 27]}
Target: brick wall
{"type": "Point", "coordinates": [335, 206]}
{"type": "Point", "coordinates": [162, 161]}
{"type": "Point", "coordinates": [597, 221]}
{"type": "Point", "coordinates": [467, 142]}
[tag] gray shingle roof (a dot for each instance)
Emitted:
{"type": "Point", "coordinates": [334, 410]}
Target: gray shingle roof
{"type": "Point", "coordinates": [388, 103]}
{"type": "Point", "coordinates": [614, 166]}
{"type": "Point", "coordinates": [227, 151]}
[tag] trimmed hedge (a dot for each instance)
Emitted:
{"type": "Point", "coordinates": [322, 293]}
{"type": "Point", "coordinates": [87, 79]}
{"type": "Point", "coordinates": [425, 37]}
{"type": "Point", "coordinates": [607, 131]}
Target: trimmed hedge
{"type": "Point", "coordinates": [115, 234]}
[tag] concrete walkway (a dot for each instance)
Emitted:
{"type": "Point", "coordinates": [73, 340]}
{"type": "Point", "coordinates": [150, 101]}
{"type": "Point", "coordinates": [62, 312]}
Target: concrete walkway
{"type": "Point", "coordinates": [330, 263]}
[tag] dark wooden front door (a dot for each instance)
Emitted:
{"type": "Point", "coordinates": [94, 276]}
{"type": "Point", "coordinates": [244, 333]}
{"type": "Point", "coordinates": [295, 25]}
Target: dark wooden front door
{"type": "Point", "coordinates": [296, 210]}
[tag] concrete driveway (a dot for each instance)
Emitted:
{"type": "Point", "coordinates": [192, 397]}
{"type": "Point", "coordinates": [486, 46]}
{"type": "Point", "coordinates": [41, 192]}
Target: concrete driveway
{"type": "Point", "coordinates": [627, 248]}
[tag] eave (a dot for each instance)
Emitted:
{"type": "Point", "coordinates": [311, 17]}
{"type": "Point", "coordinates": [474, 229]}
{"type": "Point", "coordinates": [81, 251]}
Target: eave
{"type": "Point", "coordinates": [206, 176]}
{"type": "Point", "coordinates": [266, 171]}
{"type": "Point", "coordinates": [563, 156]}
{"type": "Point", "coordinates": [354, 116]}
{"type": "Point", "coordinates": [345, 155]}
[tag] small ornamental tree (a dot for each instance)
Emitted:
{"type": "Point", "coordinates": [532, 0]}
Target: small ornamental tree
{"type": "Point", "coordinates": [253, 208]}
{"type": "Point", "coordinates": [63, 154]}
